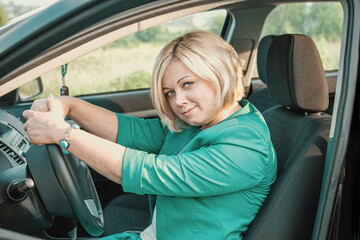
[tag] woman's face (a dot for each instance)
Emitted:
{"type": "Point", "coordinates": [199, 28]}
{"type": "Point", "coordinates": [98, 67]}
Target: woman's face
{"type": "Point", "coordinates": [192, 98]}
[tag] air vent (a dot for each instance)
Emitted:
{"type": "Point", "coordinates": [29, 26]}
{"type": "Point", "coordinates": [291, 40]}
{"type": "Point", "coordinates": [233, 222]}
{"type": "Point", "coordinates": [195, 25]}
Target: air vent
{"type": "Point", "coordinates": [11, 154]}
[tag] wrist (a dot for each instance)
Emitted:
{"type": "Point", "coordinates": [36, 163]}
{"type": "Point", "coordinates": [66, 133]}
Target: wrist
{"type": "Point", "coordinates": [64, 142]}
{"type": "Point", "coordinates": [59, 133]}
{"type": "Point", "coordinates": [66, 103]}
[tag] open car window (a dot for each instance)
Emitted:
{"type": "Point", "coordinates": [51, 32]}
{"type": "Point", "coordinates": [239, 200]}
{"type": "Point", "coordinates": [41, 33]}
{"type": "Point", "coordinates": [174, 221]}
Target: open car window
{"type": "Point", "coordinates": [127, 63]}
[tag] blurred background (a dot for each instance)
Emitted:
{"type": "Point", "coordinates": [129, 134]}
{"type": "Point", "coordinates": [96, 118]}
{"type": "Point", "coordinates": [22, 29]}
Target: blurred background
{"type": "Point", "coordinates": [127, 63]}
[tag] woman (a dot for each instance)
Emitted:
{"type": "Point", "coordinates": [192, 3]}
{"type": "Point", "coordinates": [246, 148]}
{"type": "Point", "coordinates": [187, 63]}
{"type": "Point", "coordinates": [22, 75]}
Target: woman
{"type": "Point", "coordinates": [209, 160]}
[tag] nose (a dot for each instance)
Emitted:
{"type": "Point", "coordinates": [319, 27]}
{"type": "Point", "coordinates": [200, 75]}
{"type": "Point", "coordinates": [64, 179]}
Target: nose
{"type": "Point", "coordinates": [180, 98]}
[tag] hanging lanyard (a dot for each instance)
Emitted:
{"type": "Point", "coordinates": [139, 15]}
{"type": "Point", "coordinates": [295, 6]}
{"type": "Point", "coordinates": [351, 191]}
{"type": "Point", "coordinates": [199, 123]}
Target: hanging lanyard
{"type": "Point", "coordinates": [64, 90]}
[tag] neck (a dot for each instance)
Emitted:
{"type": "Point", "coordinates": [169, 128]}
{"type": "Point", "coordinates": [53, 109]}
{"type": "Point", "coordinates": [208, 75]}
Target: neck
{"type": "Point", "coordinates": [223, 114]}
{"type": "Point", "coordinates": [234, 108]}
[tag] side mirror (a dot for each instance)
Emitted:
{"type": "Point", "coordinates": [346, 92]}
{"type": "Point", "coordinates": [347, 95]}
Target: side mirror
{"type": "Point", "coordinates": [31, 89]}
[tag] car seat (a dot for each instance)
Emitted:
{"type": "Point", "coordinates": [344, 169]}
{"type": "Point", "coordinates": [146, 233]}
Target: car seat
{"type": "Point", "coordinates": [128, 212]}
{"type": "Point", "coordinates": [261, 98]}
{"type": "Point", "coordinates": [299, 130]}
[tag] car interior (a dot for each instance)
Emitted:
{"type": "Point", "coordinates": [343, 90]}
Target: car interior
{"type": "Point", "coordinates": [285, 77]}
{"type": "Point", "coordinates": [301, 150]}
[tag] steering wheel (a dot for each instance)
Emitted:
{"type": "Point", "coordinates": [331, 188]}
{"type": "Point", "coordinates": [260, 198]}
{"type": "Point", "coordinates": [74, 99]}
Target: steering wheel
{"type": "Point", "coordinates": [66, 186]}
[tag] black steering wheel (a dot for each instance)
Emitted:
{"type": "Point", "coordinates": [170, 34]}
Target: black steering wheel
{"type": "Point", "coordinates": [66, 187]}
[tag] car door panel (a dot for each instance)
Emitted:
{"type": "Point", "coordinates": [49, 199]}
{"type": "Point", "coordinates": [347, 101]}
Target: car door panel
{"type": "Point", "coordinates": [135, 103]}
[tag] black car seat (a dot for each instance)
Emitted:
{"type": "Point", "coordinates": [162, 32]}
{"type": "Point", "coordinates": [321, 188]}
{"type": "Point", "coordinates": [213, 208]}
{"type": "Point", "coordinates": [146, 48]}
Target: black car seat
{"type": "Point", "coordinates": [128, 212]}
{"type": "Point", "coordinates": [300, 132]}
{"type": "Point", "coordinates": [261, 98]}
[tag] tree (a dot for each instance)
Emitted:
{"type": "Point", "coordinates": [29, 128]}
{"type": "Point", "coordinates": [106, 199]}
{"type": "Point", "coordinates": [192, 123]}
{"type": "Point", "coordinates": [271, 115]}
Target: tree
{"type": "Point", "coordinates": [287, 18]}
{"type": "Point", "coordinates": [150, 34]}
{"type": "Point", "coordinates": [329, 28]}
{"type": "Point", "coordinates": [310, 19]}
{"type": "Point", "coordinates": [3, 16]}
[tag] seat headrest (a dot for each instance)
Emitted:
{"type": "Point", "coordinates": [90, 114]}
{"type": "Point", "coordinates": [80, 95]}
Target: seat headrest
{"type": "Point", "coordinates": [262, 53]}
{"type": "Point", "coordinates": [295, 74]}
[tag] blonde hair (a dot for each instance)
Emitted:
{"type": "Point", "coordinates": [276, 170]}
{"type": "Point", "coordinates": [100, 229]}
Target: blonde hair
{"type": "Point", "coordinates": [209, 57]}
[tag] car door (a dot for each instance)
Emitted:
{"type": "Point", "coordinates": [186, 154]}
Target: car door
{"type": "Point", "coordinates": [338, 211]}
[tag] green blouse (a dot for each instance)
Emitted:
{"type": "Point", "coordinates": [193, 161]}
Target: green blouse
{"type": "Point", "coordinates": [209, 184]}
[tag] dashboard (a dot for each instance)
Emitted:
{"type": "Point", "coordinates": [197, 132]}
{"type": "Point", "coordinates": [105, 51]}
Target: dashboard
{"type": "Point", "coordinates": [38, 183]}
{"type": "Point", "coordinates": [18, 207]}
{"type": "Point", "coordinates": [14, 141]}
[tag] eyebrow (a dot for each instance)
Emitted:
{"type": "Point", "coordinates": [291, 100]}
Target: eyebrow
{"type": "Point", "coordinates": [181, 79]}
{"type": "Point", "coordinates": [176, 82]}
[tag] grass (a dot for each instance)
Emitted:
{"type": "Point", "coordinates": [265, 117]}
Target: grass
{"type": "Point", "coordinates": [106, 70]}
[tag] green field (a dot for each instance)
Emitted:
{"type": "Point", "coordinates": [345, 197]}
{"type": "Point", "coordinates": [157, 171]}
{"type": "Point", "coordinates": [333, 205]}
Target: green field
{"type": "Point", "coordinates": [106, 70]}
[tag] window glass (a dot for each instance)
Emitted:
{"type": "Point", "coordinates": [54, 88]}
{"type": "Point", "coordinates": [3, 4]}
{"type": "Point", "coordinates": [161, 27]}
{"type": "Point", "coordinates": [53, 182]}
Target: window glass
{"type": "Point", "coordinates": [321, 21]}
{"type": "Point", "coordinates": [127, 63]}
{"type": "Point", "coordinates": [12, 10]}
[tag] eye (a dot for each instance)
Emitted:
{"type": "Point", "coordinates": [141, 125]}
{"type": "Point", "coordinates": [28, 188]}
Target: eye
{"type": "Point", "coordinates": [187, 84]}
{"type": "Point", "coordinates": [169, 94]}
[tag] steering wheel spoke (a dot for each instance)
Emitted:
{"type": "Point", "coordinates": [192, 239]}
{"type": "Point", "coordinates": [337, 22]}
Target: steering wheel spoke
{"type": "Point", "coordinates": [66, 180]}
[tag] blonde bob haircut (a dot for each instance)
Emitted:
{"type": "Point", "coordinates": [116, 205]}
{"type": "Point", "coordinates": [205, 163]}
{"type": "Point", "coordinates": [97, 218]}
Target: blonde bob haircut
{"type": "Point", "coordinates": [209, 57]}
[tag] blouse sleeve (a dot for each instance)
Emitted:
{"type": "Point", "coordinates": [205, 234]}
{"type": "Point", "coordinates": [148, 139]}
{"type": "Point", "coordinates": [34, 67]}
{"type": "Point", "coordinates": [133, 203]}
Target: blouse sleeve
{"type": "Point", "coordinates": [142, 134]}
{"type": "Point", "coordinates": [235, 162]}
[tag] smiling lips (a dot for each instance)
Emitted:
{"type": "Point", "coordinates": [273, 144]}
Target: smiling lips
{"type": "Point", "coordinates": [188, 112]}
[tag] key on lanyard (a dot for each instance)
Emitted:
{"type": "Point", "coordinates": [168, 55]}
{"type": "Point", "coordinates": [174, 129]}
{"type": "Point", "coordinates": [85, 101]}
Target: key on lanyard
{"type": "Point", "coordinates": [64, 90]}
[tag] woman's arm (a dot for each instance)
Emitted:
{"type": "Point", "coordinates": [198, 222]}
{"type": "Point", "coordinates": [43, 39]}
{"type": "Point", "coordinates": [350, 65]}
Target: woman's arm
{"type": "Point", "coordinates": [237, 158]}
{"type": "Point", "coordinates": [103, 156]}
{"type": "Point", "coordinates": [50, 127]}
{"type": "Point", "coordinates": [94, 119]}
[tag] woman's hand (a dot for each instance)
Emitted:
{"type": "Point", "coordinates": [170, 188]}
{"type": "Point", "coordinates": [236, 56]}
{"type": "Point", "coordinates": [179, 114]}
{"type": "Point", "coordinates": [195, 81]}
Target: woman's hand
{"type": "Point", "coordinates": [42, 105]}
{"type": "Point", "coordinates": [45, 123]}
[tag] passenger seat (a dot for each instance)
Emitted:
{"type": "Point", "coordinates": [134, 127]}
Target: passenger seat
{"type": "Point", "coordinates": [299, 131]}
